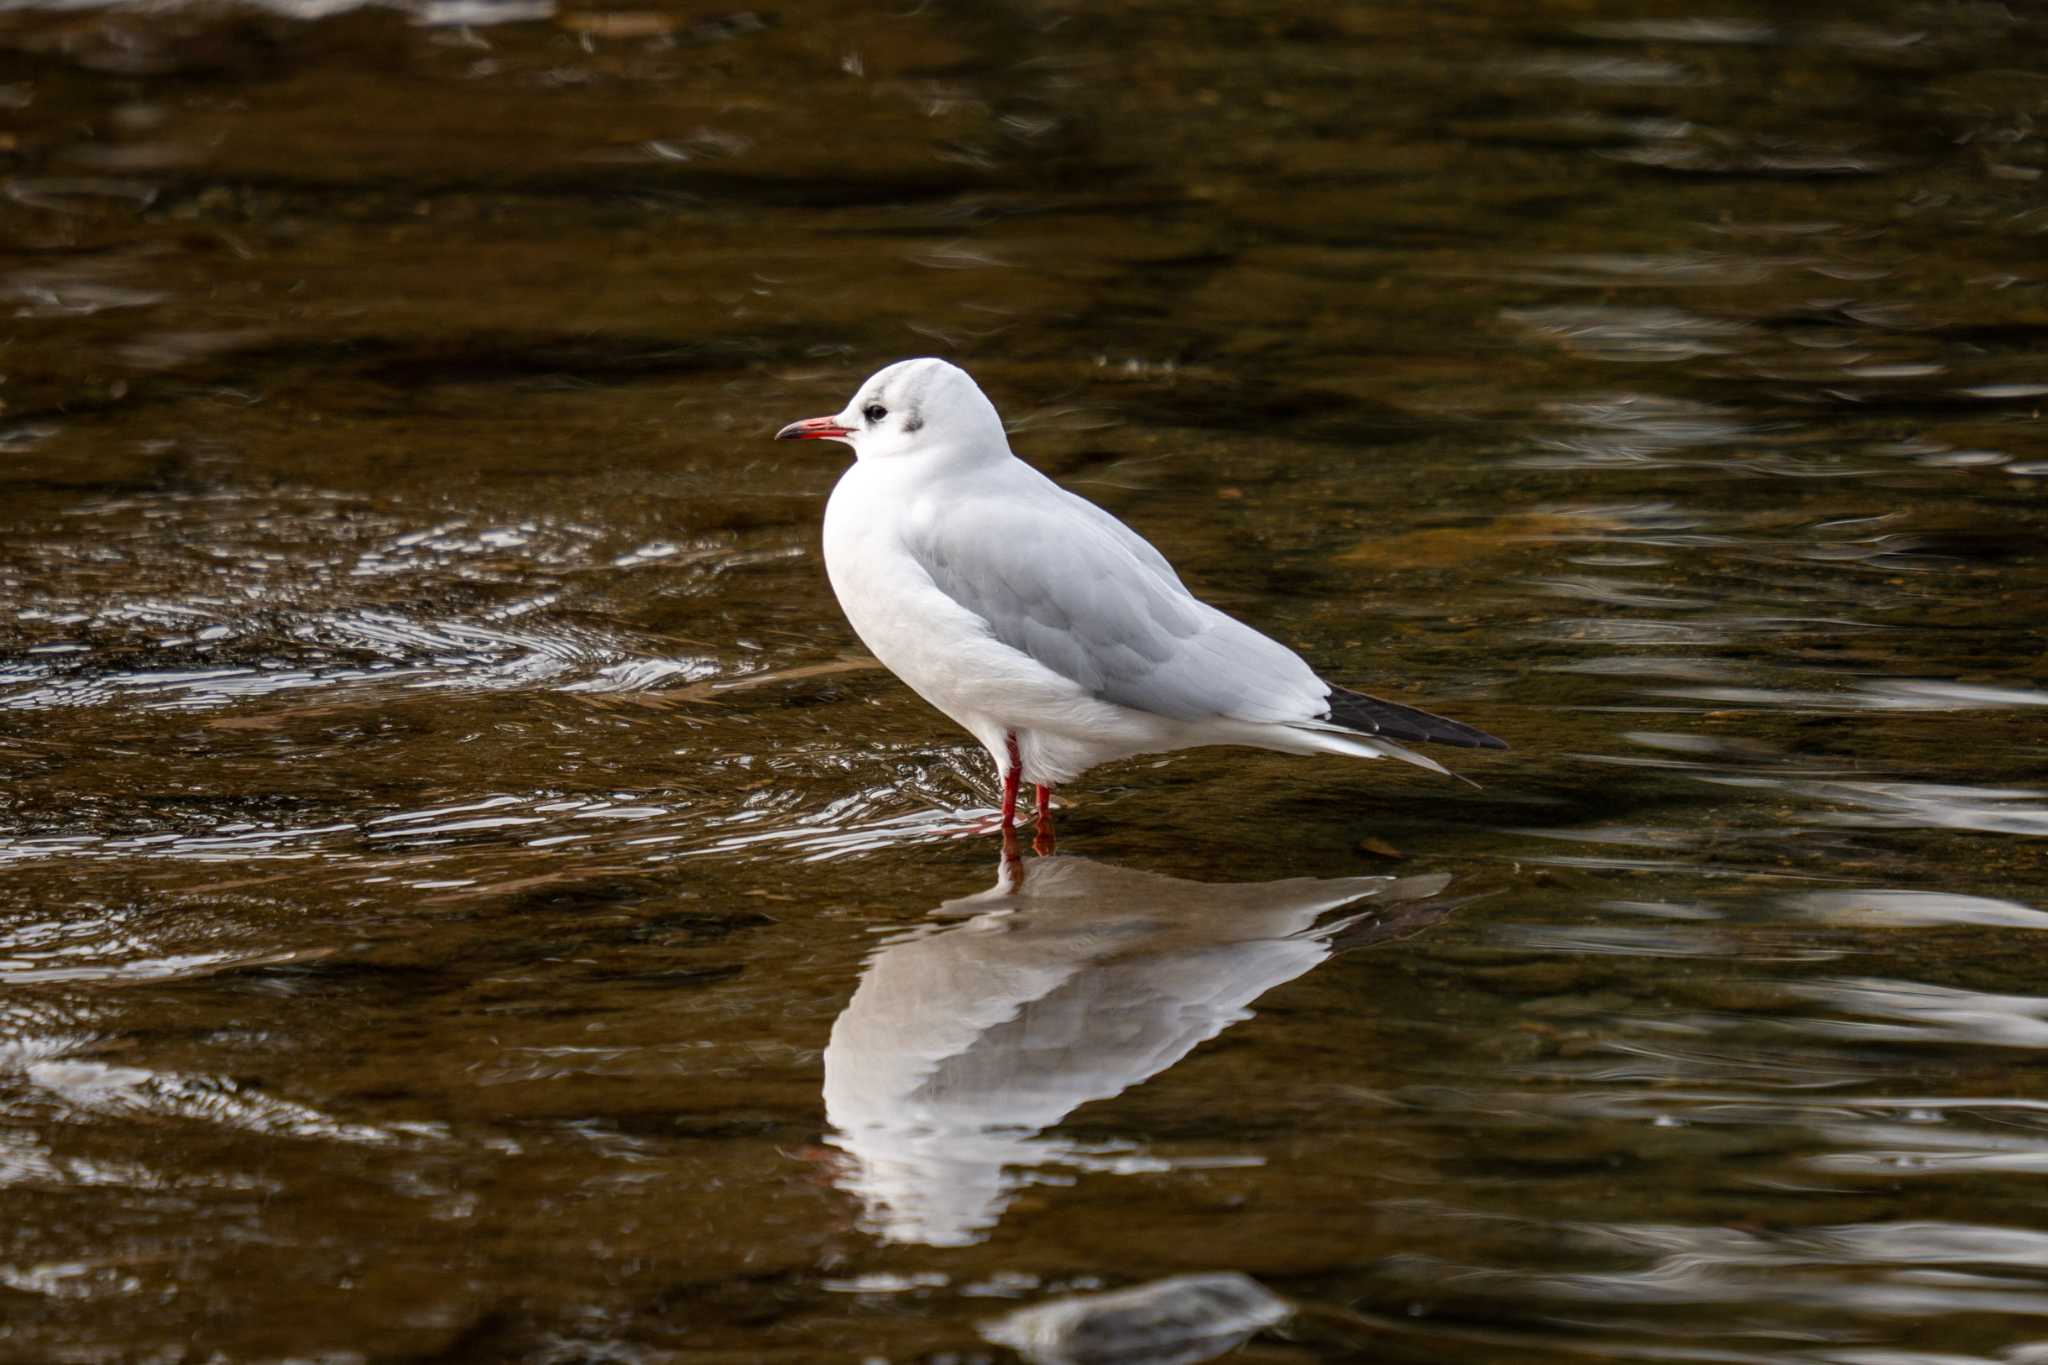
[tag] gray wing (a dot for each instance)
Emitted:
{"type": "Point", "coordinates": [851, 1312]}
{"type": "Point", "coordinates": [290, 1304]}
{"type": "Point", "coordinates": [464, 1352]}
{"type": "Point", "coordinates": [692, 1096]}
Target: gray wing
{"type": "Point", "coordinates": [1061, 580]}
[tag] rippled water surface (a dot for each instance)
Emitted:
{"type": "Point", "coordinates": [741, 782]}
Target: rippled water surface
{"type": "Point", "coordinates": [464, 895]}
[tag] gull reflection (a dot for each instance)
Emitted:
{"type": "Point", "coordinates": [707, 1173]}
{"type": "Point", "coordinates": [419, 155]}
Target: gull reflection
{"type": "Point", "coordinates": [1068, 981]}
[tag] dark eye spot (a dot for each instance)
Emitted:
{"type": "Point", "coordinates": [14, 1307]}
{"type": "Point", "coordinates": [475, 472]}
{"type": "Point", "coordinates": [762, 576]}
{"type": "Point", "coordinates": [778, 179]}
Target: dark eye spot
{"type": "Point", "coordinates": [874, 412]}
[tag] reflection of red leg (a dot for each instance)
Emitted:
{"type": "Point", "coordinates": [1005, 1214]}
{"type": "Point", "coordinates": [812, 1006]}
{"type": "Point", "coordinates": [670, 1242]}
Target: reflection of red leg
{"type": "Point", "coordinates": [1042, 843]}
{"type": "Point", "coordinates": [1012, 776]}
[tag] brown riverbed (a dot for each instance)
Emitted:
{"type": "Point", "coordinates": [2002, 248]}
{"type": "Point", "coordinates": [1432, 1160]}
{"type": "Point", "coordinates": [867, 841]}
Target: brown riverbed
{"type": "Point", "coordinates": [464, 895]}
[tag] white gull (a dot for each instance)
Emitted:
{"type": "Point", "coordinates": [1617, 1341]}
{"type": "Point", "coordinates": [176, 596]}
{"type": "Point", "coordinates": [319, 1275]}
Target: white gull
{"type": "Point", "coordinates": [1052, 632]}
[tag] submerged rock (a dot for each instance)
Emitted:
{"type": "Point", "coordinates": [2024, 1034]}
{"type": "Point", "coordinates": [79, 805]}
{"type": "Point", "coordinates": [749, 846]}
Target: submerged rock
{"type": "Point", "coordinates": [1168, 1322]}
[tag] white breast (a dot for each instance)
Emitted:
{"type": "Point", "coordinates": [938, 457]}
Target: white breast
{"type": "Point", "coordinates": [919, 634]}
{"type": "Point", "coordinates": [888, 599]}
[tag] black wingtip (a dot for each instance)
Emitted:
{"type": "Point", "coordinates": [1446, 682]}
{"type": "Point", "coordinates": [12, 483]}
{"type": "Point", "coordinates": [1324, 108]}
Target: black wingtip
{"type": "Point", "coordinates": [1372, 716]}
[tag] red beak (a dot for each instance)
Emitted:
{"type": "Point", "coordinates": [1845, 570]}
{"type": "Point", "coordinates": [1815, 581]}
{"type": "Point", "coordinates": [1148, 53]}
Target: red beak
{"type": "Point", "coordinates": [812, 429]}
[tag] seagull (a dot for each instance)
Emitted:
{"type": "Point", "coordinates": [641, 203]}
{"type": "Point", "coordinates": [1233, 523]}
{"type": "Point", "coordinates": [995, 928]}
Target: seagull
{"type": "Point", "coordinates": [1043, 626]}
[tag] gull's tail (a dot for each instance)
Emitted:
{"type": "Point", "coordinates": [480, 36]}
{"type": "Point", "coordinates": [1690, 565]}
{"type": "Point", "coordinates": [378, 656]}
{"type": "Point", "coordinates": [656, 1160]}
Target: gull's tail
{"type": "Point", "coordinates": [1358, 726]}
{"type": "Point", "coordinates": [1366, 727]}
{"type": "Point", "coordinates": [1356, 712]}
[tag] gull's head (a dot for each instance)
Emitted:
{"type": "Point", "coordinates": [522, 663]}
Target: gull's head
{"type": "Point", "coordinates": [912, 408]}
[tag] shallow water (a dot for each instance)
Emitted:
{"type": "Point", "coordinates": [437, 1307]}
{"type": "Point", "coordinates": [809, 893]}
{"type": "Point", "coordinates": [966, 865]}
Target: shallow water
{"type": "Point", "coordinates": [467, 897]}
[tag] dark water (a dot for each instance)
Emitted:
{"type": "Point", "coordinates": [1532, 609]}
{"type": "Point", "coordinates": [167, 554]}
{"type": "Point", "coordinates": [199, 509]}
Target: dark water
{"type": "Point", "coordinates": [466, 897]}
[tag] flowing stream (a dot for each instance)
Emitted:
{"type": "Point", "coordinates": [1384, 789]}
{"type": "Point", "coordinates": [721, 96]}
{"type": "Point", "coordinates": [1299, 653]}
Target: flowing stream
{"type": "Point", "coordinates": [465, 896]}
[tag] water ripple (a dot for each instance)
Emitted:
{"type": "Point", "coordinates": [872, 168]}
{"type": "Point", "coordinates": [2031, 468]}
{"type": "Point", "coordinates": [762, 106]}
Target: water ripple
{"type": "Point", "coordinates": [1917, 1012]}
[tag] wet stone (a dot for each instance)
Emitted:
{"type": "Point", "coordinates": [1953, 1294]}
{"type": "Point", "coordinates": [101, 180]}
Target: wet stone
{"type": "Point", "coordinates": [1167, 1322]}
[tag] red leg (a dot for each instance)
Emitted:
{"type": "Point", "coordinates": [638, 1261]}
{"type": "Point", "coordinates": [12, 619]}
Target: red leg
{"type": "Point", "coordinates": [1012, 776]}
{"type": "Point", "coordinates": [1042, 842]}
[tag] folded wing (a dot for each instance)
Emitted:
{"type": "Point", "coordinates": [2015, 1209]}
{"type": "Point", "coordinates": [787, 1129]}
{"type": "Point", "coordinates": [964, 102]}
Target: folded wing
{"type": "Point", "coordinates": [1064, 582]}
